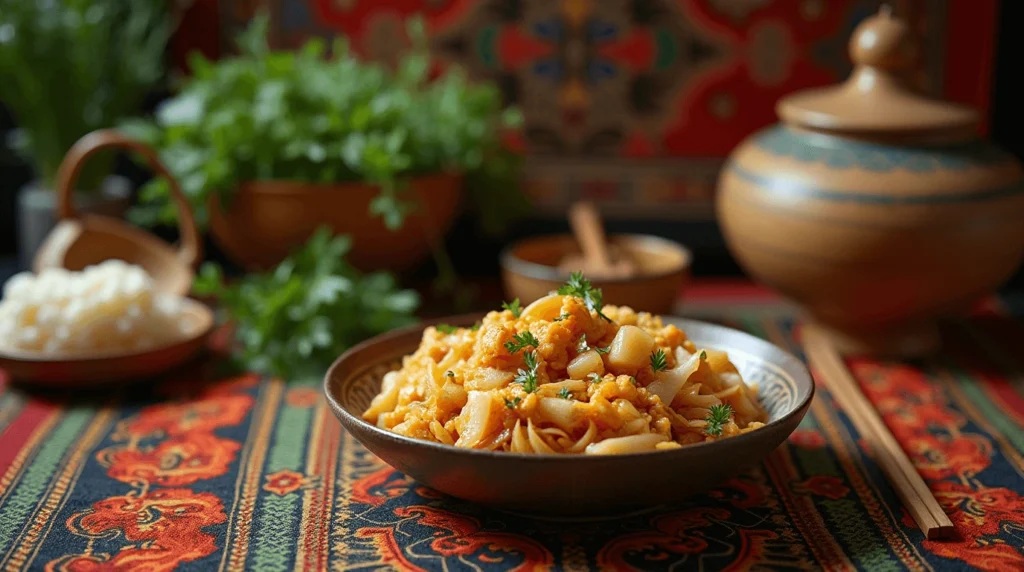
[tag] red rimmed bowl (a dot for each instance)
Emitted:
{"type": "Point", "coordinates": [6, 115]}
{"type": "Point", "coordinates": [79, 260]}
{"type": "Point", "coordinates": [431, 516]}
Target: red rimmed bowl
{"type": "Point", "coordinates": [574, 486]}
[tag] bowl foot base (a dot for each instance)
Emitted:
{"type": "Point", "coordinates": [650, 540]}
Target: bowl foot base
{"type": "Point", "coordinates": [918, 340]}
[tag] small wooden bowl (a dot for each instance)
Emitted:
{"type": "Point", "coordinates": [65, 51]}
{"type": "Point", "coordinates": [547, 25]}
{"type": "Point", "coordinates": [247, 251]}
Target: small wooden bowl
{"type": "Point", "coordinates": [529, 270]}
{"type": "Point", "coordinates": [69, 370]}
{"type": "Point", "coordinates": [574, 486]}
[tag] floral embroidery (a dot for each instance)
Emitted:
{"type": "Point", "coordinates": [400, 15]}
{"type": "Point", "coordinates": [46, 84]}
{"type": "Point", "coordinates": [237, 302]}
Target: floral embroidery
{"type": "Point", "coordinates": [823, 485]}
{"type": "Point", "coordinates": [179, 460]}
{"type": "Point", "coordinates": [283, 482]}
{"type": "Point", "coordinates": [162, 528]}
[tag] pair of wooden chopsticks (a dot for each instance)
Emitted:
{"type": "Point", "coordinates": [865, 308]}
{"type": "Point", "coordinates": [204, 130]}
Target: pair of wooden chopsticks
{"type": "Point", "coordinates": [829, 366]}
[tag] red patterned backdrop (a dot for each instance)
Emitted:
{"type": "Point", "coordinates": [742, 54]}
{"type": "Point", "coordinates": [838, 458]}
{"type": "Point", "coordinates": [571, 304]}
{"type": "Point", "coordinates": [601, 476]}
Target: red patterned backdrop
{"type": "Point", "coordinates": [633, 103]}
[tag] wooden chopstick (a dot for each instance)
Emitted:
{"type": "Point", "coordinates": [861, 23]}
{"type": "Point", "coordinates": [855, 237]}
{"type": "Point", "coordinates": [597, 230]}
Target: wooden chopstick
{"type": "Point", "coordinates": [828, 366]}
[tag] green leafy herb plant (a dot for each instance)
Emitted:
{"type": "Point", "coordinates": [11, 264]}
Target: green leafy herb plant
{"type": "Point", "coordinates": [321, 115]}
{"type": "Point", "coordinates": [294, 321]}
{"type": "Point", "coordinates": [68, 67]}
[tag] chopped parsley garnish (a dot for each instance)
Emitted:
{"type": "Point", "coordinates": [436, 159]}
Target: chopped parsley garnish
{"type": "Point", "coordinates": [565, 393]}
{"type": "Point", "coordinates": [717, 417]}
{"type": "Point", "coordinates": [633, 379]}
{"type": "Point", "coordinates": [528, 377]}
{"type": "Point", "coordinates": [658, 360]}
{"type": "Point", "coordinates": [513, 307]}
{"type": "Point", "coordinates": [580, 287]}
{"type": "Point", "coordinates": [703, 354]}
{"type": "Point", "coordinates": [450, 373]}
{"type": "Point", "coordinates": [520, 341]}
{"type": "Point", "coordinates": [582, 346]}
{"type": "Point", "coordinates": [594, 377]}
{"type": "Point", "coordinates": [446, 328]}
{"type": "Point", "coordinates": [562, 316]}
{"type": "Point", "coordinates": [475, 327]}
{"type": "Point", "coordinates": [513, 403]}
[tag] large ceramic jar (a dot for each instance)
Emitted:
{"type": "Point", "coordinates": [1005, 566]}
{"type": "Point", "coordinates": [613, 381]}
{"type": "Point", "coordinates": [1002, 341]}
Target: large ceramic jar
{"type": "Point", "coordinates": [876, 208]}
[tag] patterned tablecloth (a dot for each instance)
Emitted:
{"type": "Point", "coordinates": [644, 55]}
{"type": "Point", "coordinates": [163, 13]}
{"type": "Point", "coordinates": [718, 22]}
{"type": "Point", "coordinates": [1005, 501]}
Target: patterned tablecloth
{"type": "Point", "coordinates": [202, 473]}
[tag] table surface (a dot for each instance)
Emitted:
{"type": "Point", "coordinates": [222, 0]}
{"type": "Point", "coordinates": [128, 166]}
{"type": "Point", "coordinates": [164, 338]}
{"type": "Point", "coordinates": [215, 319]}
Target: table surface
{"type": "Point", "coordinates": [202, 472]}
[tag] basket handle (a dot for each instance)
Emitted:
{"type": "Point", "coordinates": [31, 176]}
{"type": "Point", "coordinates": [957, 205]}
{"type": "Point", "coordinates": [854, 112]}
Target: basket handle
{"type": "Point", "coordinates": [189, 247]}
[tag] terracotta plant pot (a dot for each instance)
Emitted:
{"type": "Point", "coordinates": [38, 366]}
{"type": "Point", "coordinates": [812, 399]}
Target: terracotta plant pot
{"type": "Point", "coordinates": [265, 220]}
{"type": "Point", "coordinates": [876, 208]}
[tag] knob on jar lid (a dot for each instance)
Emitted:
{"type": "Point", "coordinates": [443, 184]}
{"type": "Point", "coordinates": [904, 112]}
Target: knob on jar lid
{"type": "Point", "coordinates": [878, 97]}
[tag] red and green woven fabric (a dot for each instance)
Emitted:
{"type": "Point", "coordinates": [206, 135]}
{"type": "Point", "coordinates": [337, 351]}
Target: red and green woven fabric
{"type": "Point", "coordinates": [201, 473]}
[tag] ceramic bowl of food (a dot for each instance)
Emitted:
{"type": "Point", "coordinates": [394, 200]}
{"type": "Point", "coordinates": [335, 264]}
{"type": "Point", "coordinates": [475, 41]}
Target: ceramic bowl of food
{"type": "Point", "coordinates": [534, 267]}
{"type": "Point", "coordinates": [564, 485]}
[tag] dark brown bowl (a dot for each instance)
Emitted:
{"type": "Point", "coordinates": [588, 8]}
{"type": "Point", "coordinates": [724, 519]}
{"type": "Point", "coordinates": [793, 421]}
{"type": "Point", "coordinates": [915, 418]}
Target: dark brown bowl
{"type": "Point", "coordinates": [574, 486]}
{"type": "Point", "coordinates": [529, 270]}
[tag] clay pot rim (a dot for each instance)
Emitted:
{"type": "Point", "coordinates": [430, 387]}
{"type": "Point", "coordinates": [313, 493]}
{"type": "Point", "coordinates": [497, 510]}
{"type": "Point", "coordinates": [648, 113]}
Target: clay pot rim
{"type": "Point", "coordinates": [297, 187]}
{"type": "Point", "coordinates": [539, 271]}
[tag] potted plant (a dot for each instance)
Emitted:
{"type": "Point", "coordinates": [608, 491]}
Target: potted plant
{"type": "Point", "coordinates": [270, 145]}
{"type": "Point", "coordinates": [70, 67]}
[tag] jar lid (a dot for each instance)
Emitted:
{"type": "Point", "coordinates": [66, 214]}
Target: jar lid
{"type": "Point", "coordinates": [878, 97]}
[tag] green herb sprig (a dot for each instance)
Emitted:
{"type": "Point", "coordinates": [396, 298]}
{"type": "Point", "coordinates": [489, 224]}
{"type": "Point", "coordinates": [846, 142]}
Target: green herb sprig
{"type": "Point", "coordinates": [565, 393]}
{"type": "Point", "coordinates": [513, 403]}
{"type": "Point", "coordinates": [582, 346]}
{"type": "Point", "coordinates": [446, 329]}
{"type": "Point", "coordinates": [293, 321]}
{"type": "Point", "coordinates": [717, 417]}
{"type": "Point", "coordinates": [522, 340]}
{"type": "Point", "coordinates": [659, 361]}
{"type": "Point", "coordinates": [580, 287]}
{"type": "Point", "coordinates": [513, 307]}
{"type": "Point", "coordinates": [528, 377]}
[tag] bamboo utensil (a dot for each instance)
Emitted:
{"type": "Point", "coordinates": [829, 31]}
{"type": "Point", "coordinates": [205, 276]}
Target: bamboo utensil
{"type": "Point", "coordinates": [597, 261]}
{"type": "Point", "coordinates": [827, 365]}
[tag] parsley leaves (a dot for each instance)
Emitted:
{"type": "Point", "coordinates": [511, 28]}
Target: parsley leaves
{"type": "Point", "coordinates": [658, 360]}
{"type": "Point", "coordinates": [450, 373]}
{"type": "Point", "coordinates": [513, 403]}
{"type": "Point", "coordinates": [562, 316]}
{"type": "Point", "coordinates": [565, 393]}
{"type": "Point", "coordinates": [703, 355]}
{"type": "Point", "coordinates": [520, 341]}
{"type": "Point", "coordinates": [580, 287]}
{"type": "Point", "coordinates": [528, 377]}
{"type": "Point", "coordinates": [294, 320]}
{"type": "Point", "coordinates": [717, 417]}
{"type": "Point", "coordinates": [594, 377]}
{"type": "Point", "coordinates": [277, 114]}
{"type": "Point", "coordinates": [513, 307]}
{"type": "Point", "coordinates": [582, 346]}
{"type": "Point", "coordinates": [446, 328]}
